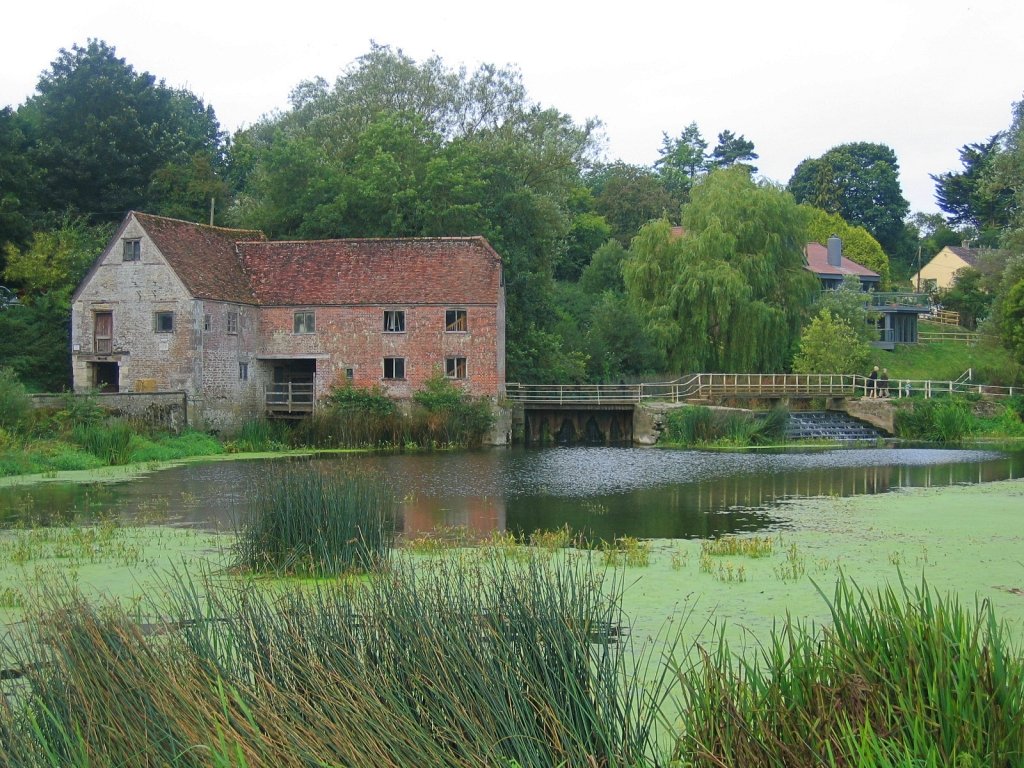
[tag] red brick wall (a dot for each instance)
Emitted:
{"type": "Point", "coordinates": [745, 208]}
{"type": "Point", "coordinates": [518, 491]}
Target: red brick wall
{"type": "Point", "coordinates": [354, 337]}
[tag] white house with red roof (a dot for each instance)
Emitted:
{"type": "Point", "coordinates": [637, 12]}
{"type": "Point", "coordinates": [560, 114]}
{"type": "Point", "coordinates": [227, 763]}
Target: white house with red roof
{"type": "Point", "coordinates": [244, 325]}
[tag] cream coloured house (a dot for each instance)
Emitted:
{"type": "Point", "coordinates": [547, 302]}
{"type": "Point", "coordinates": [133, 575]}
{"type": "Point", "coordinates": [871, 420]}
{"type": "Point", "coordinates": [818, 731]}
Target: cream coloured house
{"type": "Point", "coordinates": [940, 271]}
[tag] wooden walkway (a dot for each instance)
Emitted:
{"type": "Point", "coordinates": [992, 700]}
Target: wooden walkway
{"type": "Point", "coordinates": [709, 386]}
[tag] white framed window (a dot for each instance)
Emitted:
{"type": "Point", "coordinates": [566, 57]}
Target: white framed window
{"type": "Point", "coordinates": [232, 322]}
{"type": "Point", "coordinates": [455, 367]}
{"type": "Point", "coordinates": [394, 368]}
{"type": "Point", "coordinates": [305, 322]}
{"type": "Point", "coordinates": [243, 371]}
{"type": "Point", "coordinates": [455, 321]}
{"type": "Point", "coordinates": [132, 249]}
{"type": "Point", "coordinates": [394, 321]}
{"type": "Point", "coordinates": [163, 322]}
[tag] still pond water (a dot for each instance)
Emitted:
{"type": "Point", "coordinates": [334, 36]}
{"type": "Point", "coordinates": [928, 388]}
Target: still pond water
{"type": "Point", "coordinates": [605, 492]}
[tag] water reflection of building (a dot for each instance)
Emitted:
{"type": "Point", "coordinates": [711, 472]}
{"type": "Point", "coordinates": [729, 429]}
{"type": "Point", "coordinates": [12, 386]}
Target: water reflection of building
{"type": "Point", "coordinates": [479, 515]}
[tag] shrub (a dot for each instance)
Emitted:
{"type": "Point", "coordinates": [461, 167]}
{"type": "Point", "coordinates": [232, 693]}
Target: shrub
{"type": "Point", "coordinates": [303, 521]}
{"type": "Point", "coordinates": [15, 404]}
{"type": "Point", "coordinates": [362, 400]}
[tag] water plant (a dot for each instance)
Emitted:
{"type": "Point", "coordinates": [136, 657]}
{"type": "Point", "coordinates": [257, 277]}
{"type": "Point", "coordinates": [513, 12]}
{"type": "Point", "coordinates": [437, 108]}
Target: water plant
{"type": "Point", "coordinates": [794, 566]}
{"type": "Point", "coordinates": [552, 540]}
{"type": "Point", "coordinates": [626, 550]}
{"type": "Point", "coordinates": [902, 677]}
{"type": "Point", "coordinates": [470, 665]}
{"type": "Point", "coordinates": [308, 522]}
{"type": "Point", "coordinates": [737, 546]}
{"type": "Point", "coordinates": [700, 425]}
{"type": "Point", "coordinates": [110, 442]}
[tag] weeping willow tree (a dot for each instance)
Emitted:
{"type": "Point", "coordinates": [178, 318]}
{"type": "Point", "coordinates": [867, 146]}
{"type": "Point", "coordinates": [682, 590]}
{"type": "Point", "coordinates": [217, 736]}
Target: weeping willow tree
{"type": "Point", "coordinates": [731, 293]}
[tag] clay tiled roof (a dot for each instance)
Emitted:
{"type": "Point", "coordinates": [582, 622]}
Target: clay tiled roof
{"type": "Point", "coordinates": [435, 270]}
{"type": "Point", "coordinates": [817, 262]}
{"type": "Point", "coordinates": [203, 257]}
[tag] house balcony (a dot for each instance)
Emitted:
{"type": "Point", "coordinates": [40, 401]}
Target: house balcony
{"type": "Point", "coordinates": [906, 301]}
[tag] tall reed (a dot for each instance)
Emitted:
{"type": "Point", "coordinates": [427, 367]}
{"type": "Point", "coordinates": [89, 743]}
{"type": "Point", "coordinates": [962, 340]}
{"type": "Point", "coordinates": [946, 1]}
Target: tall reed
{"type": "Point", "coordinates": [459, 664]}
{"type": "Point", "coordinates": [903, 676]}
{"type": "Point", "coordinates": [304, 521]}
{"type": "Point", "coordinates": [109, 441]}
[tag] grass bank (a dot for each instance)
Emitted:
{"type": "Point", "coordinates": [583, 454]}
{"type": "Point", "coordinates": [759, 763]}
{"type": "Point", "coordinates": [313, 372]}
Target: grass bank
{"type": "Point", "coordinates": [947, 361]}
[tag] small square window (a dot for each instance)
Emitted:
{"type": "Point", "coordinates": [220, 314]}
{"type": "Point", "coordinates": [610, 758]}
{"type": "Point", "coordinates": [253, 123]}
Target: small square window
{"type": "Point", "coordinates": [350, 374]}
{"type": "Point", "coordinates": [394, 367]}
{"type": "Point", "coordinates": [232, 322]}
{"type": "Point", "coordinates": [305, 322]}
{"type": "Point", "coordinates": [132, 250]}
{"type": "Point", "coordinates": [243, 371]}
{"type": "Point", "coordinates": [207, 323]}
{"type": "Point", "coordinates": [163, 322]}
{"type": "Point", "coordinates": [455, 321]}
{"type": "Point", "coordinates": [394, 321]}
{"type": "Point", "coordinates": [455, 367]}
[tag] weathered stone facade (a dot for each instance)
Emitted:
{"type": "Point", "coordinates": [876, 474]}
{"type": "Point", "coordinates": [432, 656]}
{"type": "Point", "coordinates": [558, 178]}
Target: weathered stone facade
{"type": "Point", "coordinates": [224, 315]}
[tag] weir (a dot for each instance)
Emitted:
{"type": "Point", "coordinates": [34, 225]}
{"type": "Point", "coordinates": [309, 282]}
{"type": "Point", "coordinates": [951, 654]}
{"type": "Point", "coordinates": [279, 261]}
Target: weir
{"type": "Point", "coordinates": [575, 424]}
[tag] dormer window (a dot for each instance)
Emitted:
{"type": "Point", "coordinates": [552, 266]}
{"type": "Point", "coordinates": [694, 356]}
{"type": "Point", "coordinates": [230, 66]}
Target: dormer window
{"type": "Point", "coordinates": [132, 249]}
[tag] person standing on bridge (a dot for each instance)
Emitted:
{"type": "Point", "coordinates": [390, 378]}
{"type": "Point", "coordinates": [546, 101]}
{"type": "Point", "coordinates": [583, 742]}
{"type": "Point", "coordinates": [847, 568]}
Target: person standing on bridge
{"type": "Point", "coordinates": [883, 383]}
{"type": "Point", "coordinates": [870, 389]}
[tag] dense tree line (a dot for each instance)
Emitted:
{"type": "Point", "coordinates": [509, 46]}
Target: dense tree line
{"type": "Point", "coordinates": [599, 284]}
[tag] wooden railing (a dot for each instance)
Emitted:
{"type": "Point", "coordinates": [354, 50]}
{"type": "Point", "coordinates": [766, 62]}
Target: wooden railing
{"type": "Point", "coordinates": [705, 386]}
{"type": "Point", "coordinates": [290, 396]}
{"type": "Point", "coordinates": [964, 337]}
{"type": "Point", "coordinates": [944, 317]}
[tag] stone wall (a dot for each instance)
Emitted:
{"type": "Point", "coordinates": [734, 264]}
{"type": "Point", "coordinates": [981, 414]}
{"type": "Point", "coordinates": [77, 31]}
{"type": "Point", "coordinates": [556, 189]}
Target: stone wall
{"type": "Point", "coordinates": [166, 410]}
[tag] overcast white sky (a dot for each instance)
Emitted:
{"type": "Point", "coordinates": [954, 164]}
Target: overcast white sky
{"type": "Point", "coordinates": [795, 77]}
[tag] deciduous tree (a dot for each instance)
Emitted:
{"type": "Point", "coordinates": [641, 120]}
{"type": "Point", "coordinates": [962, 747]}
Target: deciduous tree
{"type": "Point", "coordinates": [830, 345]}
{"type": "Point", "coordinates": [99, 131]}
{"type": "Point", "coordinates": [732, 293]}
{"type": "Point", "coordinates": [860, 182]}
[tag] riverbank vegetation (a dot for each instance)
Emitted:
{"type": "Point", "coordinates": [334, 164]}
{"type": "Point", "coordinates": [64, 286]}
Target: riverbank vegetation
{"type": "Point", "coordinates": [79, 434]}
{"type": "Point", "coordinates": [488, 661]}
{"type": "Point", "coordinates": [955, 418]}
{"type": "Point", "coordinates": [699, 425]}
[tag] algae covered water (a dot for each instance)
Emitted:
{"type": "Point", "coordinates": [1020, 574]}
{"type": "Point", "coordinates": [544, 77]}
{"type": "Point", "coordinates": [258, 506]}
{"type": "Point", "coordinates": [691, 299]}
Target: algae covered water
{"type": "Point", "coordinates": [605, 492]}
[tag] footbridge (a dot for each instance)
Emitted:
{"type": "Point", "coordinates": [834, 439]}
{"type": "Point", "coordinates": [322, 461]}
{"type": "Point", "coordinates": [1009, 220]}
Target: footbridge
{"type": "Point", "coordinates": [603, 413]}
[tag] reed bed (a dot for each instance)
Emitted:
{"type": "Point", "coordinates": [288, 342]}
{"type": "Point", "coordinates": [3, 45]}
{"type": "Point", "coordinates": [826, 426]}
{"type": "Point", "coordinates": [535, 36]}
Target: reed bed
{"type": "Point", "coordinates": [700, 425]}
{"type": "Point", "coordinates": [902, 677]}
{"type": "Point", "coordinates": [457, 664]}
{"type": "Point", "coordinates": [109, 442]}
{"type": "Point", "coordinates": [302, 521]}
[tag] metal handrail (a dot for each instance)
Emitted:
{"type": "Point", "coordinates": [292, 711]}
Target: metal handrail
{"type": "Point", "coordinates": [705, 385]}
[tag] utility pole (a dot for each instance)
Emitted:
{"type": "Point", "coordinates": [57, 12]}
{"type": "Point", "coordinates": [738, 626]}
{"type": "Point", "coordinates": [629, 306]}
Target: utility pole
{"type": "Point", "coordinates": [919, 263]}
{"type": "Point", "coordinates": [211, 218]}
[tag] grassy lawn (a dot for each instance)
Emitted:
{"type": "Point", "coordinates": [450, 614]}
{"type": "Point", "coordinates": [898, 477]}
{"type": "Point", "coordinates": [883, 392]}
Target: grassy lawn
{"type": "Point", "coordinates": [947, 361]}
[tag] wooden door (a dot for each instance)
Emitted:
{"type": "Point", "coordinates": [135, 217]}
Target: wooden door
{"type": "Point", "coordinates": [103, 333]}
